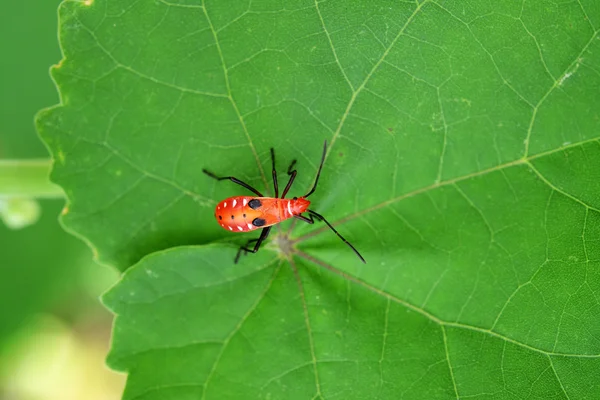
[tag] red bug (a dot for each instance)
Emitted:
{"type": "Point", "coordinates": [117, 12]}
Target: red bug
{"type": "Point", "coordinates": [248, 213]}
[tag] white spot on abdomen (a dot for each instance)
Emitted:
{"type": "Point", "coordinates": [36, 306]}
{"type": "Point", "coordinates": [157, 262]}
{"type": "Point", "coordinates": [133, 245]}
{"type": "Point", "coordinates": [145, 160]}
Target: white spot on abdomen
{"type": "Point", "coordinates": [244, 201]}
{"type": "Point", "coordinates": [225, 205]}
{"type": "Point", "coordinates": [289, 206]}
{"type": "Point", "coordinates": [230, 228]}
{"type": "Point", "coordinates": [249, 226]}
{"type": "Point", "coordinates": [240, 228]}
{"type": "Point", "coordinates": [234, 203]}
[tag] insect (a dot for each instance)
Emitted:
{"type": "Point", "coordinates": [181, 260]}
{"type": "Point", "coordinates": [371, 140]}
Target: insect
{"type": "Point", "coordinates": [248, 213]}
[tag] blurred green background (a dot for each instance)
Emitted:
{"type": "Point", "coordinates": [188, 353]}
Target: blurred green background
{"type": "Point", "coordinates": [54, 333]}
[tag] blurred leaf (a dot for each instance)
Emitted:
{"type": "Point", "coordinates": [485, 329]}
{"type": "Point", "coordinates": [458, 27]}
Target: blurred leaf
{"type": "Point", "coordinates": [39, 264]}
{"type": "Point", "coordinates": [17, 213]}
{"type": "Point", "coordinates": [464, 164]}
{"type": "Point", "coordinates": [28, 51]}
{"type": "Point", "coordinates": [27, 178]}
{"type": "Point", "coordinates": [52, 359]}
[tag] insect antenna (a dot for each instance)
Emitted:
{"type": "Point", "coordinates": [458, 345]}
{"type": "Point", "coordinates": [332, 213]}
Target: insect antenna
{"type": "Point", "coordinates": [318, 172]}
{"type": "Point", "coordinates": [321, 218]}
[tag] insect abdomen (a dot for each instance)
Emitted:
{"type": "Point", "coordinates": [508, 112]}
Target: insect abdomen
{"type": "Point", "coordinates": [245, 213]}
{"type": "Point", "coordinates": [232, 214]}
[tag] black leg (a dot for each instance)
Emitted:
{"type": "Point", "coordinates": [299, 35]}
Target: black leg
{"type": "Point", "coordinates": [275, 184]}
{"type": "Point", "coordinates": [310, 220]}
{"type": "Point", "coordinates": [234, 180]}
{"type": "Point", "coordinates": [245, 249]}
{"type": "Point", "coordinates": [292, 175]}
{"type": "Point", "coordinates": [303, 218]}
{"type": "Point", "coordinates": [319, 172]}
{"type": "Point", "coordinates": [289, 171]}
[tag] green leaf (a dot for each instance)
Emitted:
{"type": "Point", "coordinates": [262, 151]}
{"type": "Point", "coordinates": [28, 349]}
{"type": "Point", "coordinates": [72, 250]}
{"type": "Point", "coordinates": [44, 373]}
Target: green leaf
{"type": "Point", "coordinates": [463, 162]}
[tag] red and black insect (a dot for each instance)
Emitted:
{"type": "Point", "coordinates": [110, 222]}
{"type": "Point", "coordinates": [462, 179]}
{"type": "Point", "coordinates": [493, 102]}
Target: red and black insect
{"type": "Point", "coordinates": [247, 213]}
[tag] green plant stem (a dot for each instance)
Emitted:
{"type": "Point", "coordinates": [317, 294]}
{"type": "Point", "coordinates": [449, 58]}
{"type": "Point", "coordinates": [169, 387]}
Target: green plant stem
{"type": "Point", "coordinates": [27, 178]}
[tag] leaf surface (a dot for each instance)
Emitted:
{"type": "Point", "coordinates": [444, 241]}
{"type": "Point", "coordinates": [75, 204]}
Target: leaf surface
{"type": "Point", "coordinates": [463, 163]}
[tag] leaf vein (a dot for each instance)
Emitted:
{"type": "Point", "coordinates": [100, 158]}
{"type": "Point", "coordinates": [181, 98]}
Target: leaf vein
{"type": "Point", "coordinates": [230, 96]}
{"type": "Point", "coordinates": [371, 72]}
{"type": "Point", "coordinates": [450, 369]}
{"type": "Point", "coordinates": [556, 84]}
{"type": "Point", "coordinates": [337, 60]}
{"type": "Point", "coordinates": [431, 316]}
{"type": "Point", "coordinates": [308, 327]}
{"type": "Point", "coordinates": [562, 387]}
{"type": "Point", "coordinates": [237, 328]}
{"type": "Point", "coordinates": [426, 189]}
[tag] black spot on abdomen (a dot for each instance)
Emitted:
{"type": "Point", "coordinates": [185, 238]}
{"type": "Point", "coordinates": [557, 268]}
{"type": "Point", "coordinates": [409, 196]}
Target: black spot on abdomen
{"type": "Point", "coordinates": [254, 204]}
{"type": "Point", "coordinates": [258, 222]}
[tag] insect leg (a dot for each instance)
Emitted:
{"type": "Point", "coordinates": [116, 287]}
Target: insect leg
{"type": "Point", "coordinates": [310, 220]}
{"type": "Point", "coordinates": [303, 218]}
{"type": "Point", "coordinates": [289, 170]}
{"type": "Point", "coordinates": [234, 180]}
{"type": "Point", "coordinates": [319, 171]}
{"type": "Point", "coordinates": [263, 235]}
{"type": "Point", "coordinates": [275, 184]}
{"type": "Point", "coordinates": [292, 175]}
